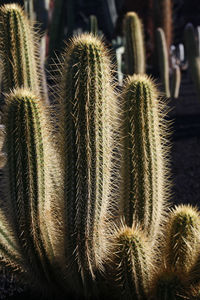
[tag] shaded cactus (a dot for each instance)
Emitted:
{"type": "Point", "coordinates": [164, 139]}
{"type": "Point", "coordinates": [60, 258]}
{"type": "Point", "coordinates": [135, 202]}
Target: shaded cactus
{"type": "Point", "coordinates": [19, 54]}
{"type": "Point", "coordinates": [144, 172]}
{"type": "Point", "coordinates": [163, 62]}
{"type": "Point", "coordinates": [89, 135]}
{"type": "Point", "coordinates": [176, 82]}
{"type": "Point", "coordinates": [131, 260]}
{"type": "Point", "coordinates": [134, 44]}
{"type": "Point", "coordinates": [182, 238]}
{"type": "Point", "coordinates": [163, 18]}
{"type": "Point", "coordinates": [93, 25]}
{"type": "Point", "coordinates": [29, 187]}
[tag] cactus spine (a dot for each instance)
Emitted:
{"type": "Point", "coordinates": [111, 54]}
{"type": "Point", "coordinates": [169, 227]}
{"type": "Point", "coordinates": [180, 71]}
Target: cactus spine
{"type": "Point", "coordinates": [163, 60]}
{"type": "Point", "coordinates": [131, 260]}
{"type": "Point", "coordinates": [28, 151]}
{"type": "Point", "coordinates": [144, 166]}
{"type": "Point", "coordinates": [88, 126]}
{"type": "Point", "coordinates": [182, 238]}
{"type": "Point", "coordinates": [19, 51]}
{"type": "Point", "coordinates": [134, 44]}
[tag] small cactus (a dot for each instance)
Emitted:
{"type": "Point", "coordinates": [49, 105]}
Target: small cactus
{"type": "Point", "coordinates": [134, 44]}
{"type": "Point", "coordinates": [182, 238]}
{"type": "Point", "coordinates": [163, 62]}
{"type": "Point", "coordinates": [176, 82]}
{"type": "Point", "coordinates": [93, 25]}
{"type": "Point", "coordinates": [19, 54]}
{"type": "Point", "coordinates": [144, 170]}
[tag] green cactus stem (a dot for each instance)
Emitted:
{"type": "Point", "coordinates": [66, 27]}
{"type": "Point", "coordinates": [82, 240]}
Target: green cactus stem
{"type": "Point", "coordinates": [19, 51]}
{"type": "Point", "coordinates": [89, 125]}
{"type": "Point", "coordinates": [176, 82]}
{"type": "Point", "coordinates": [163, 62]}
{"type": "Point", "coordinates": [29, 185]}
{"type": "Point", "coordinates": [182, 238]}
{"type": "Point", "coordinates": [130, 259]}
{"type": "Point", "coordinates": [144, 169]}
{"type": "Point", "coordinates": [134, 44]}
{"type": "Point", "coordinates": [93, 25]}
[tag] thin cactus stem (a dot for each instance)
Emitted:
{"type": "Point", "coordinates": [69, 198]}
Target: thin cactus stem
{"type": "Point", "coordinates": [93, 25]}
{"type": "Point", "coordinates": [131, 263]}
{"type": "Point", "coordinates": [89, 124]}
{"type": "Point", "coordinates": [182, 238]}
{"type": "Point", "coordinates": [176, 82]}
{"type": "Point", "coordinates": [163, 61]}
{"type": "Point", "coordinates": [144, 171]}
{"type": "Point", "coordinates": [19, 51]}
{"type": "Point", "coordinates": [134, 44]}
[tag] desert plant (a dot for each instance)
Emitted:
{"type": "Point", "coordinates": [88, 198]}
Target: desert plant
{"type": "Point", "coordinates": [144, 171]}
{"type": "Point", "coordinates": [176, 81]}
{"type": "Point", "coordinates": [134, 44]}
{"type": "Point", "coordinates": [93, 25]}
{"type": "Point", "coordinates": [19, 52]}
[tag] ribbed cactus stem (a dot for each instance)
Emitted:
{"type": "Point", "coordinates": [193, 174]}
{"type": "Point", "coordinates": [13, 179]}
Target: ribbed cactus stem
{"type": "Point", "coordinates": [18, 49]}
{"type": "Point", "coordinates": [27, 185]}
{"type": "Point", "coordinates": [134, 44]}
{"type": "Point", "coordinates": [176, 82]}
{"type": "Point", "coordinates": [93, 25]}
{"type": "Point", "coordinates": [163, 62]}
{"type": "Point", "coordinates": [89, 122]}
{"type": "Point", "coordinates": [144, 170]}
{"type": "Point", "coordinates": [131, 263]}
{"type": "Point", "coordinates": [182, 237]}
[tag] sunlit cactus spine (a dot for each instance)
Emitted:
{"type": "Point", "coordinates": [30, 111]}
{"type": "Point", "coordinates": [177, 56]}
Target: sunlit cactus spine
{"type": "Point", "coordinates": [29, 185]}
{"type": "Point", "coordinates": [163, 18]}
{"type": "Point", "coordinates": [134, 44]}
{"type": "Point", "coordinates": [89, 129]}
{"type": "Point", "coordinates": [176, 82]}
{"type": "Point", "coordinates": [163, 62]}
{"type": "Point", "coordinates": [145, 185]}
{"type": "Point", "coordinates": [182, 238]}
{"type": "Point", "coordinates": [192, 55]}
{"type": "Point", "coordinates": [131, 259]}
{"type": "Point", "coordinates": [19, 51]}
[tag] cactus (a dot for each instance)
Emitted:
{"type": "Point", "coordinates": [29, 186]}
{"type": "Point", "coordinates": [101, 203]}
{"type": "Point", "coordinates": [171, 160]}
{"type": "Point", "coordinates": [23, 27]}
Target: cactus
{"type": "Point", "coordinates": [131, 259]}
{"type": "Point", "coordinates": [18, 50]}
{"type": "Point", "coordinates": [163, 18]}
{"type": "Point", "coordinates": [144, 173]}
{"type": "Point", "coordinates": [163, 62]}
{"type": "Point", "coordinates": [182, 238]}
{"type": "Point", "coordinates": [176, 82]}
{"type": "Point", "coordinates": [192, 55]}
{"type": "Point", "coordinates": [134, 44]}
{"type": "Point", "coordinates": [29, 187]}
{"type": "Point", "coordinates": [93, 25]}
{"type": "Point", "coordinates": [89, 128]}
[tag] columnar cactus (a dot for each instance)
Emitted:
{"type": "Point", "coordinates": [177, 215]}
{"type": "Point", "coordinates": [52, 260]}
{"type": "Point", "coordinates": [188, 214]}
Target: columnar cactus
{"type": "Point", "coordinates": [131, 259]}
{"type": "Point", "coordinates": [93, 25]}
{"type": "Point", "coordinates": [163, 62]}
{"type": "Point", "coordinates": [182, 238]}
{"type": "Point", "coordinates": [30, 183]}
{"type": "Point", "coordinates": [134, 44]}
{"type": "Point", "coordinates": [89, 130]}
{"type": "Point", "coordinates": [144, 171]}
{"type": "Point", "coordinates": [18, 51]}
{"type": "Point", "coordinates": [176, 82]}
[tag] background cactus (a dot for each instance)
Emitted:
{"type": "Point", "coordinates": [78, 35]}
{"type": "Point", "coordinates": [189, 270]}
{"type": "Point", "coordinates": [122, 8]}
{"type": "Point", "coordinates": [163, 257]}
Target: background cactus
{"type": "Point", "coordinates": [19, 54]}
{"type": "Point", "coordinates": [134, 44]}
{"type": "Point", "coordinates": [144, 171]}
{"type": "Point", "coordinates": [176, 81]}
{"type": "Point", "coordinates": [89, 129]}
{"type": "Point", "coordinates": [93, 25]}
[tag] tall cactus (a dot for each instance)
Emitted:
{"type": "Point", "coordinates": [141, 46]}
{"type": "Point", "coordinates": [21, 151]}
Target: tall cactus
{"type": "Point", "coordinates": [182, 238]}
{"type": "Point", "coordinates": [29, 186]}
{"type": "Point", "coordinates": [18, 51]}
{"type": "Point", "coordinates": [88, 123]}
{"type": "Point", "coordinates": [144, 172]}
{"type": "Point", "coordinates": [163, 60]}
{"type": "Point", "coordinates": [134, 47]}
{"type": "Point", "coordinates": [131, 259]}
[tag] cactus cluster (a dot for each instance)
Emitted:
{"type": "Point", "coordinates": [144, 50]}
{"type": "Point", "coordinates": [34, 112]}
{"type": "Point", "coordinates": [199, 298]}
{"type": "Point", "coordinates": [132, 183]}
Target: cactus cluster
{"type": "Point", "coordinates": [86, 183]}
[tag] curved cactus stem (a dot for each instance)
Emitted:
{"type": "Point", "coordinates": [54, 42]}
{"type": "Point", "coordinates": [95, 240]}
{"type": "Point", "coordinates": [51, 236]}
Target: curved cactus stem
{"type": "Point", "coordinates": [134, 44]}
{"type": "Point", "coordinates": [176, 82]}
